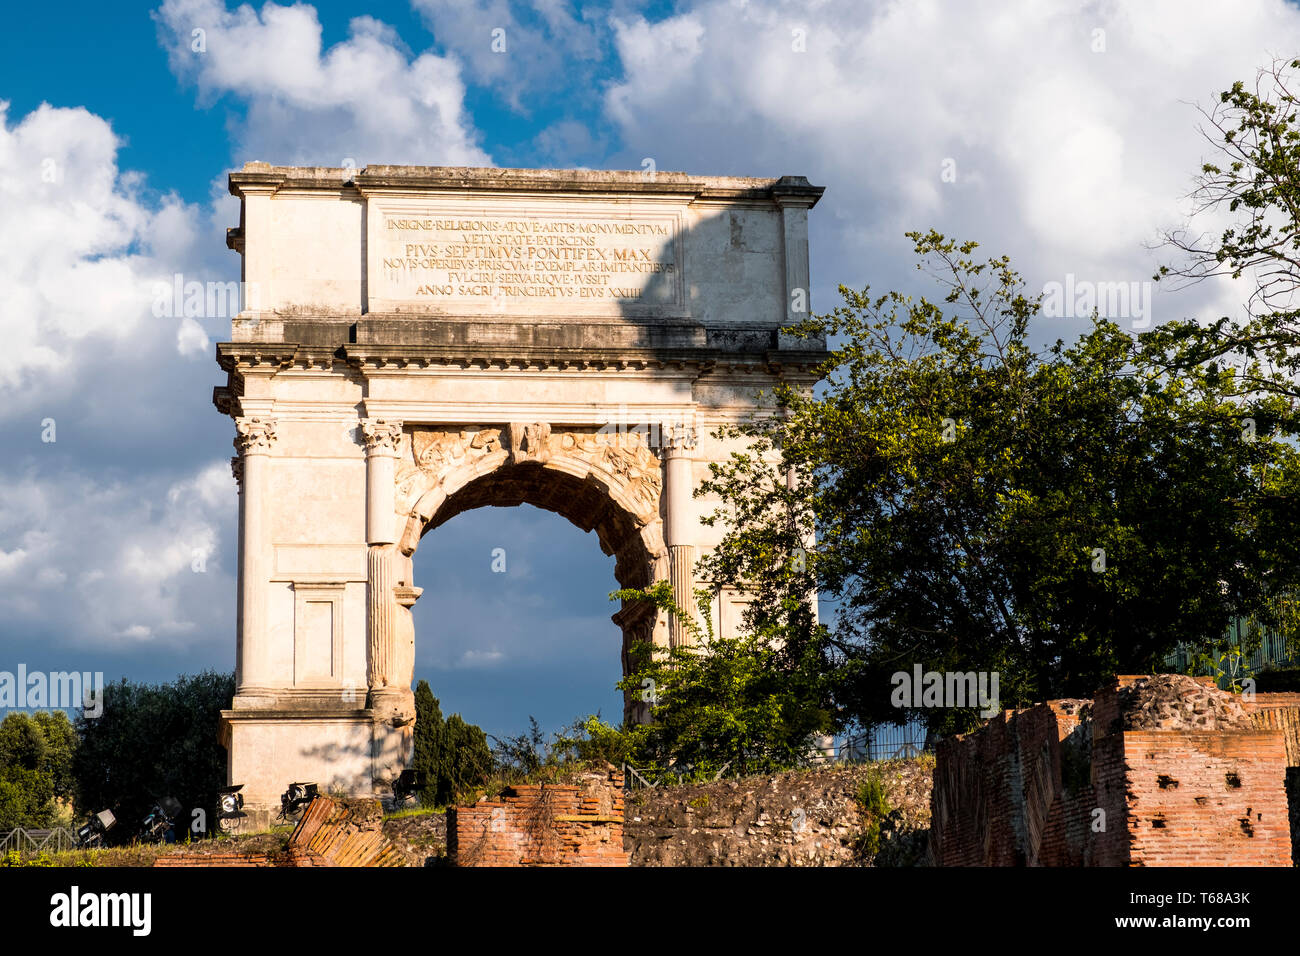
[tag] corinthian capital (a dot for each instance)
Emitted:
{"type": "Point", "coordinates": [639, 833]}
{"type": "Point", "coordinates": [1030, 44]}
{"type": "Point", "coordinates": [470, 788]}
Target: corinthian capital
{"type": "Point", "coordinates": [254, 435]}
{"type": "Point", "coordinates": [678, 436]}
{"type": "Point", "coordinates": [381, 437]}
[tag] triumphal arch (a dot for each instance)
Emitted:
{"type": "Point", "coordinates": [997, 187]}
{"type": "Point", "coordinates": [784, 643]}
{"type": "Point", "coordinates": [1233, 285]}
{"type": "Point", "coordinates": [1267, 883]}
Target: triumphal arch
{"type": "Point", "coordinates": [415, 342]}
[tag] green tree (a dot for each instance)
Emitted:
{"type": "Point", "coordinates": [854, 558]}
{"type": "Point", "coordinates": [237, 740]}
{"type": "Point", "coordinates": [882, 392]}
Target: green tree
{"type": "Point", "coordinates": [451, 756]}
{"type": "Point", "coordinates": [469, 759]}
{"type": "Point", "coordinates": [590, 741]}
{"type": "Point", "coordinates": [522, 755]}
{"type": "Point", "coordinates": [970, 502]}
{"type": "Point", "coordinates": [426, 753]}
{"type": "Point", "coordinates": [26, 778]}
{"type": "Point", "coordinates": [744, 705]}
{"type": "Point", "coordinates": [1248, 195]}
{"type": "Point", "coordinates": [22, 743]}
{"type": "Point", "coordinates": [1254, 183]}
{"type": "Point", "coordinates": [153, 741]}
{"type": "Point", "coordinates": [61, 748]}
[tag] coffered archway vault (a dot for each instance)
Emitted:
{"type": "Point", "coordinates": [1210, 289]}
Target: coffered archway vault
{"type": "Point", "coordinates": [415, 342]}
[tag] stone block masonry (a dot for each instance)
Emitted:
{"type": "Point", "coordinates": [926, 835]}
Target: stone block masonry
{"type": "Point", "coordinates": [578, 824]}
{"type": "Point", "coordinates": [1155, 771]}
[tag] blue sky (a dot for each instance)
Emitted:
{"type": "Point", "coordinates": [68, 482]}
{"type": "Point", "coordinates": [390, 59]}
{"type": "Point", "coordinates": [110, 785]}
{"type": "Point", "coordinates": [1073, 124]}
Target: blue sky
{"type": "Point", "coordinates": [1063, 134]}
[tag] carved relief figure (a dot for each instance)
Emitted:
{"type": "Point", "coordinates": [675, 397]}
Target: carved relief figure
{"type": "Point", "coordinates": [530, 442]}
{"type": "Point", "coordinates": [624, 456]}
{"type": "Point", "coordinates": [429, 454]}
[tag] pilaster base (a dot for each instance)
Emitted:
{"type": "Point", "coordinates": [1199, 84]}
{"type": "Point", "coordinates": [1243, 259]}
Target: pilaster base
{"type": "Point", "coordinates": [342, 749]}
{"type": "Point", "coordinates": [392, 705]}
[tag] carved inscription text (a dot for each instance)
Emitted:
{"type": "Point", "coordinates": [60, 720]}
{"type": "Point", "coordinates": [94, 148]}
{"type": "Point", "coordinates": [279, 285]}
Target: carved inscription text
{"type": "Point", "coordinates": [448, 258]}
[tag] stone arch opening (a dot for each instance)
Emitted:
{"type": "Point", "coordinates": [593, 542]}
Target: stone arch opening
{"type": "Point", "coordinates": [590, 505]}
{"type": "Point", "coordinates": [515, 618]}
{"type": "Point", "coordinates": [584, 502]}
{"type": "Point", "coordinates": [601, 480]}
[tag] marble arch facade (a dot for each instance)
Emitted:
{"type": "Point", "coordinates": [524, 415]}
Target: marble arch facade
{"type": "Point", "coordinates": [416, 342]}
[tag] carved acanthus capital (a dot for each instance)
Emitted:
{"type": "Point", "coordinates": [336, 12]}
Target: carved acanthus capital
{"type": "Point", "coordinates": [381, 437]}
{"type": "Point", "coordinates": [254, 436]}
{"type": "Point", "coordinates": [678, 437]}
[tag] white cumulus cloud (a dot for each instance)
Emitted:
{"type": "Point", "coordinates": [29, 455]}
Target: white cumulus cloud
{"type": "Point", "coordinates": [1070, 127]}
{"type": "Point", "coordinates": [151, 559]}
{"type": "Point", "coordinates": [364, 99]}
{"type": "Point", "coordinates": [77, 252]}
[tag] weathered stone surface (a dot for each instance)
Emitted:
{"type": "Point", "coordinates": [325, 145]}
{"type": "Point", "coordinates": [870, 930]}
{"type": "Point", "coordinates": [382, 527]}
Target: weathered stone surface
{"type": "Point", "coordinates": [1179, 702]}
{"type": "Point", "coordinates": [799, 818]}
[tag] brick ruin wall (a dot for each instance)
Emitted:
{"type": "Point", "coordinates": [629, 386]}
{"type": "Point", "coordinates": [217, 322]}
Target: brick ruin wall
{"type": "Point", "coordinates": [810, 817]}
{"type": "Point", "coordinates": [1155, 771]}
{"type": "Point", "coordinates": [543, 825]}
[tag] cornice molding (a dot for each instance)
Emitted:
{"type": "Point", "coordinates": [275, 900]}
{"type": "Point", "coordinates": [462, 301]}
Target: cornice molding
{"type": "Point", "coordinates": [369, 358]}
{"type": "Point", "coordinates": [274, 356]}
{"type": "Point", "coordinates": [263, 178]}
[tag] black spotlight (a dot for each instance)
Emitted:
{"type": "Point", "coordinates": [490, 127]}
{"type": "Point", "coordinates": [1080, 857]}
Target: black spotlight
{"type": "Point", "coordinates": [160, 825]}
{"type": "Point", "coordinates": [295, 798]}
{"type": "Point", "coordinates": [230, 808]}
{"type": "Point", "coordinates": [407, 784]}
{"type": "Point", "coordinates": [92, 833]}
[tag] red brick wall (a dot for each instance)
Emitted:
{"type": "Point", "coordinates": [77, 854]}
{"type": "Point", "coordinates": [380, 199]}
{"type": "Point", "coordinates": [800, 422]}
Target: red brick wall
{"type": "Point", "coordinates": [543, 825]}
{"type": "Point", "coordinates": [1063, 784]}
{"type": "Point", "coordinates": [1281, 711]}
{"type": "Point", "coordinates": [1183, 807]}
{"type": "Point", "coordinates": [997, 797]}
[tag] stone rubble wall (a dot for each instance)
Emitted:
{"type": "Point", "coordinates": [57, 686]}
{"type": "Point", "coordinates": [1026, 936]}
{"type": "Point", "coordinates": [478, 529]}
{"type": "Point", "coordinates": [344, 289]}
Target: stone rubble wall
{"type": "Point", "coordinates": [798, 818]}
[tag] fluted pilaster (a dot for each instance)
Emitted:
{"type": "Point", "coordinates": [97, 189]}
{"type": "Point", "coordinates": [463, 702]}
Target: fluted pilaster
{"type": "Point", "coordinates": [679, 442]}
{"type": "Point", "coordinates": [254, 439]}
{"type": "Point", "coordinates": [381, 617]}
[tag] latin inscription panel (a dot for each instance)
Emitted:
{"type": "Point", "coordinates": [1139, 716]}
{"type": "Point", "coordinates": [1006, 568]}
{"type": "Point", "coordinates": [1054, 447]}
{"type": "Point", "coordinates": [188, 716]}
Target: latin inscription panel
{"type": "Point", "coordinates": [547, 258]}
